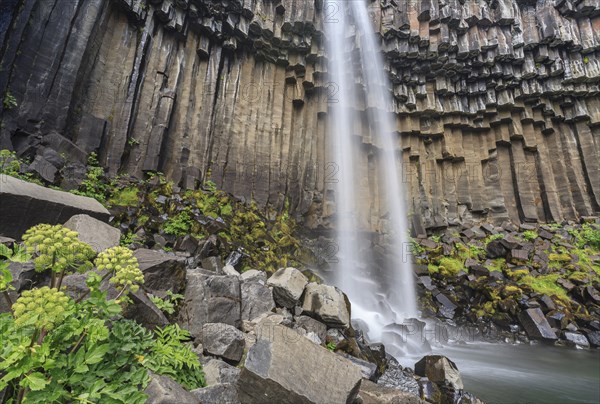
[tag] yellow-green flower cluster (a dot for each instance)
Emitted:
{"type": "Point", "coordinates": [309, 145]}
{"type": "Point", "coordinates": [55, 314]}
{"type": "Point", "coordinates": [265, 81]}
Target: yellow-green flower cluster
{"type": "Point", "coordinates": [58, 248]}
{"type": "Point", "coordinates": [42, 308]}
{"type": "Point", "coordinates": [121, 261]}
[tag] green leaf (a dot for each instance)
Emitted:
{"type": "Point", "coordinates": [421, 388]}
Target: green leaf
{"type": "Point", "coordinates": [5, 251]}
{"type": "Point", "coordinates": [96, 353]}
{"type": "Point", "coordinates": [20, 254]}
{"type": "Point", "coordinates": [35, 381]}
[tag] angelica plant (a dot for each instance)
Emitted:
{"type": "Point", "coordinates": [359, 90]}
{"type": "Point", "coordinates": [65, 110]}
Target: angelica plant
{"type": "Point", "coordinates": [58, 249]}
{"type": "Point", "coordinates": [120, 262]}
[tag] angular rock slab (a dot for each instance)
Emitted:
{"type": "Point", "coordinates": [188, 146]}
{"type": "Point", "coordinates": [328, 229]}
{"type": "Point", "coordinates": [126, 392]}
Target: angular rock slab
{"type": "Point", "coordinates": [164, 390]}
{"type": "Point", "coordinates": [286, 368]}
{"type": "Point", "coordinates": [162, 271]}
{"type": "Point", "coordinates": [256, 299]}
{"type": "Point", "coordinates": [23, 205]}
{"type": "Point", "coordinates": [210, 298]}
{"type": "Point", "coordinates": [223, 340]}
{"type": "Point", "coordinates": [372, 393]}
{"type": "Point", "coordinates": [97, 234]}
{"type": "Point", "coordinates": [327, 303]}
{"type": "Point", "coordinates": [439, 370]}
{"type": "Point", "coordinates": [536, 325]}
{"type": "Point", "coordinates": [288, 285]}
{"type": "Point", "coordinates": [225, 393]}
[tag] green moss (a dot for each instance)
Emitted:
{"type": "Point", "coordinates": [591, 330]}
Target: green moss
{"type": "Point", "coordinates": [579, 276]}
{"type": "Point", "coordinates": [488, 307]}
{"type": "Point", "coordinates": [125, 197]}
{"type": "Point", "coordinates": [517, 274]}
{"type": "Point", "coordinates": [529, 235]}
{"type": "Point", "coordinates": [179, 224]}
{"type": "Point", "coordinates": [559, 257]}
{"type": "Point", "coordinates": [546, 284]}
{"type": "Point", "coordinates": [465, 251]}
{"type": "Point", "coordinates": [511, 290]}
{"type": "Point", "coordinates": [497, 264]}
{"type": "Point", "coordinates": [493, 237]}
{"type": "Point", "coordinates": [433, 269]}
{"type": "Point", "coordinates": [451, 266]}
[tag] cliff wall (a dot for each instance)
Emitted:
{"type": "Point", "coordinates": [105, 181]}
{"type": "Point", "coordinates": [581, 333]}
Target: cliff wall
{"type": "Point", "coordinates": [497, 103]}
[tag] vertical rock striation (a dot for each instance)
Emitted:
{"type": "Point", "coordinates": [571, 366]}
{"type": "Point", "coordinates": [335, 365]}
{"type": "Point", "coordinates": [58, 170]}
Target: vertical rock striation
{"type": "Point", "coordinates": [497, 103]}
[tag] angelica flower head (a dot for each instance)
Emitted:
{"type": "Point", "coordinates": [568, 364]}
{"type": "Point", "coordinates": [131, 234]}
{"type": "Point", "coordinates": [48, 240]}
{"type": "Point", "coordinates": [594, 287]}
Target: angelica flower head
{"type": "Point", "coordinates": [58, 248]}
{"type": "Point", "coordinates": [44, 308]}
{"type": "Point", "coordinates": [123, 264]}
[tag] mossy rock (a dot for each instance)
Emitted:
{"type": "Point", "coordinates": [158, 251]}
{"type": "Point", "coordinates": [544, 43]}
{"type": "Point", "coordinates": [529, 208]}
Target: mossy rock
{"type": "Point", "coordinates": [559, 257]}
{"type": "Point", "coordinates": [451, 266]}
{"type": "Point", "coordinates": [511, 290]}
{"type": "Point", "coordinates": [517, 274]}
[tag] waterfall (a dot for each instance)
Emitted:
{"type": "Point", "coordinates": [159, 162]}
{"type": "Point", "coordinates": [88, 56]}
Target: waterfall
{"type": "Point", "coordinates": [382, 300]}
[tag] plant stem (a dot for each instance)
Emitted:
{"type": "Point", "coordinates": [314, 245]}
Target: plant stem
{"type": "Point", "coordinates": [80, 298]}
{"type": "Point", "coordinates": [60, 279]}
{"type": "Point", "coordinates": [78, 343]}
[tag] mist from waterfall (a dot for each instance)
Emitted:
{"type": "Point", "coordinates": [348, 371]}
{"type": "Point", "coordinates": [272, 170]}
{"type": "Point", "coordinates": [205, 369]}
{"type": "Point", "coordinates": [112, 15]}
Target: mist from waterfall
{"type": "Point", "coordinates": [382, 301]}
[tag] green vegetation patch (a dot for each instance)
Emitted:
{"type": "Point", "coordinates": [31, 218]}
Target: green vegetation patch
{"type": "Point", "coordinates": [545, 284]}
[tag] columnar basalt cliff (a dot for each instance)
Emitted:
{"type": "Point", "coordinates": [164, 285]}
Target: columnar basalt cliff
{"type": "Point", "coordinates": [497, 103]}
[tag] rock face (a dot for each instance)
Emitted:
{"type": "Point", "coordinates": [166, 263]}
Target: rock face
{"type": "Point", "coordinates": [97, 234]}
{"type": "Point", "coordinates": [210, 298]}
{"type": "Point", "coordinates": [327, 303]}
{"type": "Point", "coordinates": [284, 367]}
{"type": "Point", "coordinates": [288, 285]}
{"type": "Point", "coordinates": [23, 205]}
{"type": "Point", "coordinates": [492, 99]}
{"type": "Point", "coordinates": [257, 298]}
{"type": "Point", "coordinates": [536, 325]}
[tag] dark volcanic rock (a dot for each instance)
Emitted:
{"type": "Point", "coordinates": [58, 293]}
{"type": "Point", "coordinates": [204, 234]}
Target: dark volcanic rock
{"type": "Point", "coordinates": [25, 204]}
{"type": "Point", "coordinates": [162, 271]}
{"type": "Point", "coordinates": [495, 249]}
{"type": "Point", "coordinates": [164, 390]}
{"type": "Point", "coordinates": [536, 325]}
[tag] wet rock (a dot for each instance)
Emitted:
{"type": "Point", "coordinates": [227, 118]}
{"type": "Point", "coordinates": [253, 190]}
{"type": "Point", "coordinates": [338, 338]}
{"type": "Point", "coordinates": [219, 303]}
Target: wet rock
{"type": "Point", "coordinates": [547, 303]}
{"type": "Point", "coordinates": [576, 339]}
{"type": "Point", "coordinates": [536, 325]}
{"type": "Point", "coordinates": [164, 390]}
{"type": "Point", "coordinates": [372, 393]}
{"type": "Point", "coordinates": [94, 232]}
{"type": "Point", "coordinates": [328, 304]}
{"type": "Point", "coordinates": [593, 337]}
{"type": "Point", "coordinates": [257, 298]}
{"type": "Point", "coordinates": [223, 340]}
{"type": "Point", "coordinates": [284, 367]}
{"type": "Point", "coordinates": [395, 376]}
{"type": "Point", "coordinates": [210, 298]}
{"type": "Point", "coordinates": [439, 370]}
{"type": "Point", "coordinates": [162, 271]}
{"type": "Point", "coordinates": [225, 393]}
{"type": "Point", "coordinates": [288, 285]}
{"type": "Point", "coordinates": [25, 204]}
{"type": "Point", "coordinates": [446, 307]}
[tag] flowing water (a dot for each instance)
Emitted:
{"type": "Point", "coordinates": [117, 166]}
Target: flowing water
{"type": "Point", "coordinates": [497, 373]}
{"type": "Point", "coordinates": [525, 374]}
{"type": "Point", "coordinates": [381, 304]}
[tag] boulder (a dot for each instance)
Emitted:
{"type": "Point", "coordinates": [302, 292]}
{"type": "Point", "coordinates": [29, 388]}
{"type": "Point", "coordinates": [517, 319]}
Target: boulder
{"type": "Point", "coordinates": [253, 273]}
{"type": "Point", "coordinates": [257, 299]}
{"type": "Point", "coordinates": [439, 370]}
{"type": "Point", "coordinates": [536, 325]}
{"type": "Point", "coordinates": [328, 304]}
{"type": "Point", "coordinates": [368, 369]}
{"type": "Point", "coordinates": [372, 393]}
{"type": "Point", "coordinates": [576, 339]}
{"type": "Point", "coordinates": [225, 393]}
{"type": "Point", "coordinates": [288, 285]}
{"type": "Point", "coordinates": [94, 232]}
{"type": "Point", "coordinates": [212, 263]}
{"type": "Point", "coordinates": [144, 311]}
{"type": "Point", "coordinates": [162, 271]}
{"type": "Point", "coordinates": [217, 371]}
{"type": "Point", "coordinates": [25, 204]}
{"type": "Point", "coordinates": [223, 340]}
{"type": "Point", "coordinates": [210, 298]}
{"type": "Point", "coordinates": [284, 367]}
{"type": "Point", "coordinates": [496, 249]}
{"type": "Point", "coordinates": [229, 270]}
{"type": "Point", "coordinates": [164, 390]}
{"type": "Point", "coordinates": [310, 325]}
